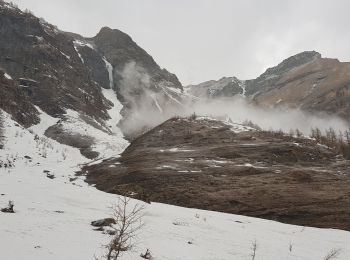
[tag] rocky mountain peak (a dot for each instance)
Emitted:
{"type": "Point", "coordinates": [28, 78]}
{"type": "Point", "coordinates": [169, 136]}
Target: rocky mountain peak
{"type": "Point", "coordinates": [113, 36]}
{"type": "Point", "coordinates": [290, 63]}
{"type": "Point", "coordinates": [120, 49]}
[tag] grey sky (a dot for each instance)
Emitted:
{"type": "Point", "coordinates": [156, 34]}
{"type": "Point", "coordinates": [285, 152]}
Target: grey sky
{"type": "Point", "coordinates": [200, 40]}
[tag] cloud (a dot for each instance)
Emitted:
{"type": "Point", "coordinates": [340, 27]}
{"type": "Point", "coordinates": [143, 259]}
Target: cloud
{"type": "Point", "coordinates": [147, 107]}
{"type": "Point", "coordinates": [144, 105]}
{"type": "Point", "coordinates": [239, 110]}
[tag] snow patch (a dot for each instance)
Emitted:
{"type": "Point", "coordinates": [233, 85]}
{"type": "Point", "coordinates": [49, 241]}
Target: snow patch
{"type": "Point", "coordinates": [109, 68]}
{"type": "Point", "coordinates": [65, 55]}
{"type": "Point", "coordinates": [78, 43]}
{"type": "Point", "coordinates": [45, 122]}
{"type": "Point", "coordinates": [107, 145]}
{"type": "Point", "coordinates": [8, 76]}
{"type": "Point", "coordinates": [82, 44]}
{"type": "Point", "coordinates": [153, 96]}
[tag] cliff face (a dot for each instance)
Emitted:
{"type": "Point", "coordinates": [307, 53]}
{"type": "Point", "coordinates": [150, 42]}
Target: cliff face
{"type": "Point", "coordinates": [72, 78]}
{"type": "Point", "coordinates": [120, 49]}
{"type": "Point", "coordinates": [42, 61]}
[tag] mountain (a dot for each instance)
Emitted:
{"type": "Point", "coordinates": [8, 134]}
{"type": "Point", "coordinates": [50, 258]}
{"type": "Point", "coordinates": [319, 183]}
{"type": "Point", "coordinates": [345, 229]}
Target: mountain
{"type": "Point", "coordinates": [224, 87]}
{"type": "Point", "coordinates": [306, 81]}
{"type": "Point", "coordinates": [84, 121]}
{"type": "Point", "coordinates": [88, 84]}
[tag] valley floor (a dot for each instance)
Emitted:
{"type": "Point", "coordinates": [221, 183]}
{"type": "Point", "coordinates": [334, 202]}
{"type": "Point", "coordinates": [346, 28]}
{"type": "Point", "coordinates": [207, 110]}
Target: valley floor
{"type": "Point", "coordinates": [53, 211]}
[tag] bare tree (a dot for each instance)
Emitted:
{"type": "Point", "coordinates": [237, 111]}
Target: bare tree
{"type": "Point", "coordinates": [347, 136]}
{"type": "Point", "coordinates": [128, 222]}
{"type": "Point", "coordinates": [291, 132]}
{"type": "Point", "coordinates": [333, 254]}
{"type": "Point", "coordinates": [331, 137]}
{"type": "Point", "coordinates": [318, 134]}
{"type": "Point", "coordinates": [290, 247]}
{"type": "Point", "coordinates": [298, 133]}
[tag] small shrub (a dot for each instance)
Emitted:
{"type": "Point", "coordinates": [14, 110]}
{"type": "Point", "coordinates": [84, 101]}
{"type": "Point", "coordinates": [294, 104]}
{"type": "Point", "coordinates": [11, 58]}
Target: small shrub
{"type": "Point", "coordinates": [333, 254]}
{"type": "Point", "coordinates": [193, 116]}
{"type": "Point", "coordinates": [128, 221]}
{"type": "Point", "coordinates": [147, 255]}
{"type": "Point", "coordinates": [254, 248]}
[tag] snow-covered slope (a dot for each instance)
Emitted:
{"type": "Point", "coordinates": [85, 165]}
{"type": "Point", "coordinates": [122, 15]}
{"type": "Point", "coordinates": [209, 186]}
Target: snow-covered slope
{"type": "Point", "coordinates": [54, 211]}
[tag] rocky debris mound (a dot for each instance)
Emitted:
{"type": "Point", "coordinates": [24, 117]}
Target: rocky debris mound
{"type": "Point", "coordinates": [221, 166]}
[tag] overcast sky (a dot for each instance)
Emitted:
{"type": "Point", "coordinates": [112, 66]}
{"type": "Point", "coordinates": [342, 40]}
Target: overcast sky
{"type": "Point", "coordinates": [199, 40]}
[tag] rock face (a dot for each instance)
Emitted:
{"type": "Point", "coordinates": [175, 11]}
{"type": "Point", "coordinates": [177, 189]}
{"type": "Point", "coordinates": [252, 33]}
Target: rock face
{"type": "Point", "coordinates": [227, 167]}
{"type": "Point", "coordinates": [34, 50]}
{"type": "Point", "coordinates": [224, 87]}
{"type": "Point", "coordinates": [120, 49]}
{"type": "Point", "coordinates": [44, 68]}
{"type": "Point", "coordinates": [305, 81]}
{"type": "Point", "coordinates": [319, 85]}
{"type": "Point", "coordinates": [140, 83]}
{"type": "Point", "coordinates": [271, 76]}
{"type": "Point", "coordinates": [15, 102]}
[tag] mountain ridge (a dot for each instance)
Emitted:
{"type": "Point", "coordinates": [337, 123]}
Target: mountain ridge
{"type": "Point", "coordinates": [305, 80]}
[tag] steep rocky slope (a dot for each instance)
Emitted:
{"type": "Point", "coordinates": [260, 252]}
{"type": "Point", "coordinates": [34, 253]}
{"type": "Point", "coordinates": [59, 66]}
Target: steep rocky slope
{"type": "Point", "coordinates": [232, 168]}
{"type": "Point", "coordinates": [319, 85]}
{"type": "Point", "coordinates": [224, 87]}
{"type": "Point", "coordinates": [64, 75]}
{"type": "Point", "coordinates": [305, 81]}
{"type": "Point", "coordinates": [141, 85]}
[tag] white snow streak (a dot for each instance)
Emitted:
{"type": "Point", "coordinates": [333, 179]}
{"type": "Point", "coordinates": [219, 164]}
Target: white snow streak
{"type": "Point", "coordinates": [7, 76]}
{"type": "Point", "coordinates": [110, 72]}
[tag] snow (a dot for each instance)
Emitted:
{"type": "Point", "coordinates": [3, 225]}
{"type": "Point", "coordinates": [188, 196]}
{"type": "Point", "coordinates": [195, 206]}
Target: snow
{"type": "Point", "coordinates": [45, 122]}
{"type": "Point", "coordinates": [279, 101]}
{"type": "Point", "coordinates": [76, 49]}
{"type": "Point", "coordinates": [82, 44]}
{"type": "Point", "coordinates": [175, 90]}
{"type": "Point", "coordinates": [8, 76]}
{"type": "Point", "coordinates": [171, 97]}
{"type": "Point", "coordinates": [52, 219]}
{"type": "Point", "coordinates": [176, 149]}
{"type": "Point", "coordinates": [9, 5]}
{"type": "Point", "coordinates": [235, 127]}
{"type": "Point", "coordinates": [114, 112]}
{"type": "Point", "coordinates": [153, 96]}
{"type": "Point", "coordinates": [109, 68]}
{"type": "Point", "coordinates": [65, 55]}
{"type": "Point", "coordinates": [78, 43]}
{"type": "Point", "coordinates": [106, 144]}
{"type": "Point", "coordinates": [243, 85]}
